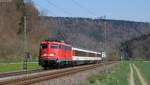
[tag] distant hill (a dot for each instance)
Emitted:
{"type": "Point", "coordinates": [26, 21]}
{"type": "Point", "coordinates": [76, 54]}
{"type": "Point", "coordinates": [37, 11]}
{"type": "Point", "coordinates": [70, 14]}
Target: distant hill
{"type": "Point", "coordinates": [90, 34]}
{"type": "Point", "coordinates": [85, 33]}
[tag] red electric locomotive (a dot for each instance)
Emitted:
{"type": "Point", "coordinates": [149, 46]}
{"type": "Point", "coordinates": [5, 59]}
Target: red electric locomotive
{"type": "Point", "coordinates": [56, 53]}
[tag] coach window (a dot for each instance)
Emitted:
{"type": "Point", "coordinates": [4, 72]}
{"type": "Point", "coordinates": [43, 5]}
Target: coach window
{"type": "Point", "coordinates": [91, 54]}
{"type": "Point", "coordinates": [80, 53]}
{"type": "Point", "coordinates": [54, 46]}
{"type": "Point", "coordinates": [95, 55]}
{"type": "Point", "coordinates": [98, 55]}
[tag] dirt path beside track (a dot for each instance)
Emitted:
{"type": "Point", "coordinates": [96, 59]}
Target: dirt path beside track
{"type": "Point", "coordinates": [141, 78]}
{"type": "Point", "coordinates": [131, 77]}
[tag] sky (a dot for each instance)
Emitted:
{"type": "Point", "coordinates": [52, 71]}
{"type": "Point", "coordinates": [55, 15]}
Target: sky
{"type": "Point", "coordinates": [133, 10]}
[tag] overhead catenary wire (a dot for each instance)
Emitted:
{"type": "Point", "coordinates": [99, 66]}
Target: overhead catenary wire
{"type": "Point", "coordinates": [58, 7]}
{"type": "Point", "coordinates": [61, 9]}
{"type": "Point", "coordinates": [83, 7]}
{"type": "Point", "coordinates": [105, 28]}
{"type": "Point", "coordinates": [64, 11]}
{"type": "Point", "coordinates": [50, 3]}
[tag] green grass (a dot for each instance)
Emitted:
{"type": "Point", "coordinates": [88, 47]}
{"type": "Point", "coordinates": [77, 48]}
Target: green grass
{"type": "Point", "coordinates": [144, 68]}
{"type": "Point", "coordinates": [11, 67]}
{"type": "Point", "coordinates": [118, 76]}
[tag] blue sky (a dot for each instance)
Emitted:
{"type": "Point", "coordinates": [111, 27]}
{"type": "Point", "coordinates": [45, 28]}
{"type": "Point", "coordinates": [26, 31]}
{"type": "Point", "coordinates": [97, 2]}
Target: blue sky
{"type": "Point", "coordinates": [135, 10]}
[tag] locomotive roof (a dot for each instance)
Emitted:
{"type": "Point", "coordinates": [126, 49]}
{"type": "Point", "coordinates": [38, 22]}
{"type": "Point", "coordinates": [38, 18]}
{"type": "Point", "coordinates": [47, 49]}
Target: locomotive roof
{"type": "Point", "coordinates": [54, 42]}
{"type": "Point", "coordinates": [78, 49]}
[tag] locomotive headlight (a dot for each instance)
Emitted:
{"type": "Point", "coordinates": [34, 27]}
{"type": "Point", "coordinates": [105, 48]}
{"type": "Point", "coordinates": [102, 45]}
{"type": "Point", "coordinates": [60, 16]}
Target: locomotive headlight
{"type": "Point", "coordinates": [51, 54]}
{"type": "Point", "coordinates": [44, 55]}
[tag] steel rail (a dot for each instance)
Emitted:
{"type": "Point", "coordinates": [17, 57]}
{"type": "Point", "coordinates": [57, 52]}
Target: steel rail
{"type": "Point", "coordinates": [30, 79]}
{"type": "Point", "coordinates": [8, 74]}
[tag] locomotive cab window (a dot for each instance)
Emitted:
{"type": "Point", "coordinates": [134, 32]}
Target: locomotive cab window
{"type": "Point", "coordinates": [54, 46]}
{"type": "Point", "coordinates": [44, 46]}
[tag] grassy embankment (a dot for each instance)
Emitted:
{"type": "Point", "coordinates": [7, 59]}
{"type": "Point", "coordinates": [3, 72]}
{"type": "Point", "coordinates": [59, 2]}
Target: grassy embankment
{"type": "Point", "coordinates": [117, 76]}
{"type": "Point", "coordinates": [144, 67]}
{"type": "Point", "coordinates": [11, 67]}
{"type": "Point", "coordinates": [15, 64]}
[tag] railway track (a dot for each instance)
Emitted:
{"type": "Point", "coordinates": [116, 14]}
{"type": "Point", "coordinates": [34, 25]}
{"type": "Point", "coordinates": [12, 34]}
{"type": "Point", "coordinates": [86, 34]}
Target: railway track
{"type": "Point", "coordinates": [31, 79]}
{"type": "Point", "coordinates": [2, 75]}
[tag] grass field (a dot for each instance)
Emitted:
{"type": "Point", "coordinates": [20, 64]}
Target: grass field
{"type": "Point", "coordinates": [144, 67]}
{"type": "Point", "coordinates": [11, 67]}
{"type": "Point", "coordinates": [119, 76]}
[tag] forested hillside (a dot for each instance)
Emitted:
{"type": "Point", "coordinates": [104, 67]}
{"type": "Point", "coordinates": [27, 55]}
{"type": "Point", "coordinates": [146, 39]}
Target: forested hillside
{"type": "Point", "coordinates": [90, 34]}
{"type": "Point", "coordinates": [11, 29]}
{"type": "Point", "coordinates": [85, 33]}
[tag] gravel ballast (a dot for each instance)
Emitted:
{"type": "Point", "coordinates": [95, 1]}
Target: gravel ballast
{"type": "Point", "coordinates": [75, 79]}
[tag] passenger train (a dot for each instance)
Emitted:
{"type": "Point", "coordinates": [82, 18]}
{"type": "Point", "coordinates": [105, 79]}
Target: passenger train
{"type": "Point", "coordinates": [57, 53]}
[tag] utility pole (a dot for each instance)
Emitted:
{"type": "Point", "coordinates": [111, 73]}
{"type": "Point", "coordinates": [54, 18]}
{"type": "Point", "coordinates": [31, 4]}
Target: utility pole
{"type": "Point", "coordinates": [105, 58]}
{"type": "Point", "coordinates": [25, 44]}
{"type": "Point", "coordinates": [26, 54]}
{"type": "Point", "coordinates": [104, 52]}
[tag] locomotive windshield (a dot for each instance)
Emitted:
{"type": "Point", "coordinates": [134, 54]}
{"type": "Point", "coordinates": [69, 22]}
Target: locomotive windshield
{"type": "Point", "coordinates": [44, 46]}
{"type": "Point", "coordinates": [54, 46]}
